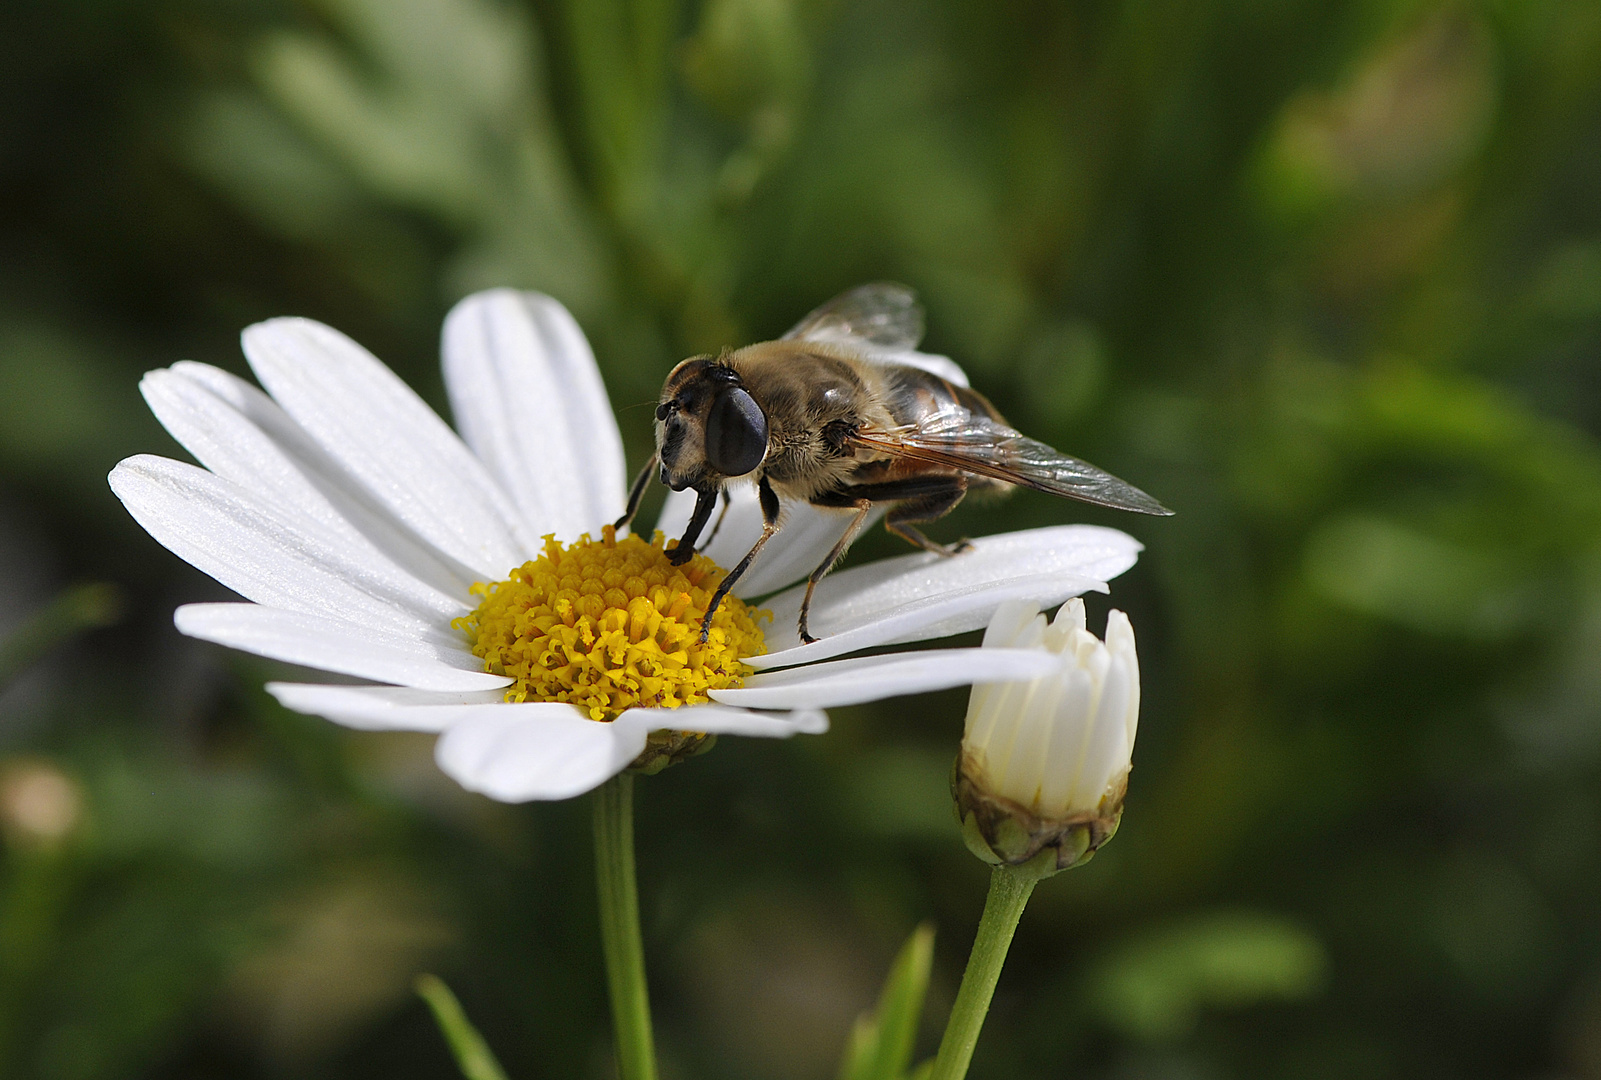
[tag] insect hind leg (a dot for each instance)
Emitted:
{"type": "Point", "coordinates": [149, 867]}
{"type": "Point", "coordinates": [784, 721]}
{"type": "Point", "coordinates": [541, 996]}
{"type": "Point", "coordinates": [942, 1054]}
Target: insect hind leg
{"type": "Point", "coordinates": [917, 499]}
{"type": "Point", "coordinates": [904, 517]}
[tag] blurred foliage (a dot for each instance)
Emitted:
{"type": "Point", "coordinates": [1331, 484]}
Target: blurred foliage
{"type": "Point", "coordinates": [1154, 987]}
{"type": "Point", "coordinates": [475, 1058]}
{"type": "Point", "coordinates": [1325, 277]}
{"type": "Point", "coordinates": [882, 1041]}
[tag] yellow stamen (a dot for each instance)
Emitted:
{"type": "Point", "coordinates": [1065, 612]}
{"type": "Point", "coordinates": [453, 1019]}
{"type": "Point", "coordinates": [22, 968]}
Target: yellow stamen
{"type": "Point", "coordinates": [611, 625]}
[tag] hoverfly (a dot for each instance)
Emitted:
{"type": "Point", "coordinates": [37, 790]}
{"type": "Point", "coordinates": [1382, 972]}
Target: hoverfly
{"type": "Point", "coordinates": [842, 412]}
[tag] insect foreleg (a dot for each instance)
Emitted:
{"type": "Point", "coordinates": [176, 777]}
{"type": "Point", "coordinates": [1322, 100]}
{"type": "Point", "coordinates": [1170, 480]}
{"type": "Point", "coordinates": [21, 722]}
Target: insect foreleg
{"type": "Point", "coordinates": [863, 506]}
{"type": "Point", "coordinates": [636, 493]}
{"type": "Point", "coordinates": [705, 499]}
{"type": "Point", "coordinates": [770, 508]}
{"type": "Point", "coordinates": [722, 516]}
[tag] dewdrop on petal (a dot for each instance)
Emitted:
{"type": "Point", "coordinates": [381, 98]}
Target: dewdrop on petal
{"type": "Point", "coordinates": [1045, 764]}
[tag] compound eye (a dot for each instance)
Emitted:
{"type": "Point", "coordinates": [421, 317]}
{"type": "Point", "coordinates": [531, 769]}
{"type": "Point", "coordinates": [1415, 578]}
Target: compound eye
{"type": "Point", "coordinates": [736, 433]}
{"type": "Point", "coordinates": [664, 410]}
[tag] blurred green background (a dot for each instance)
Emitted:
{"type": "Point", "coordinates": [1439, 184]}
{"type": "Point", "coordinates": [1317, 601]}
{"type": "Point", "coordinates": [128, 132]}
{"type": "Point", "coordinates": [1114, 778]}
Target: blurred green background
{"type": "Point", "coordinates": [1323, 276]}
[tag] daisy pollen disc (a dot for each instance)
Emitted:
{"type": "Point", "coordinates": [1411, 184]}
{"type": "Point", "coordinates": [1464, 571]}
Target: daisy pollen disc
{"type": "Point", "coordinates": [610, 625]}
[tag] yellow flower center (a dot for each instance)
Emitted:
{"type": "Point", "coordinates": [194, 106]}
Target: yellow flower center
{"type": "Point", "coordinates": [611, 625]}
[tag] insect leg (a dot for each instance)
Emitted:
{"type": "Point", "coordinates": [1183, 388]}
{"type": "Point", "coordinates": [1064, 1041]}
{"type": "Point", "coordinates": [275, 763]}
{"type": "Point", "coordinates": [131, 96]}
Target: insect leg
{"type": "Point", "coordinates": [929, 507]}
{"type": "Point", "coordinates": [718, 524]}
{"type": "Point", "coordinates": [769, 501]}
{"type": "Point", "coordinates": [636, 493]}
{"type": "Point", "coordinates": [917, 498]}
{"type": "Point", "coordinates": [705, 499]}
{"type": "Point", "coordinates": [834, 555]}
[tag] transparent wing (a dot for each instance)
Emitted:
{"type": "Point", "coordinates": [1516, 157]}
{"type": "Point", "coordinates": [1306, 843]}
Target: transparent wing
{"type": "Point", "coordinates": [973, 443]}
{"type": "Point", "coordinates": [882, 315]}
{"type": "Point", "coordinates": [883, 323]}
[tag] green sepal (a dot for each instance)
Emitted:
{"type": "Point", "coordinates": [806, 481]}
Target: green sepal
{"type": "Point", "coordinates": [973, 837]}
{"type": "Point", "coordinates": [472, 1054]}
{"type": "Point", "coordinates": [1002, 833]}
{"type": "Point", "coordinates": [664, 748]}
{"type": "Point", "coordinates": [882, 1041]}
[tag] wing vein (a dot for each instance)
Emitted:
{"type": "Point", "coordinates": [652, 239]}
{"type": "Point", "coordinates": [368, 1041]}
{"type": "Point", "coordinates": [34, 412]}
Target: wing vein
{"type": "Point", "coordinates": [967, 442]}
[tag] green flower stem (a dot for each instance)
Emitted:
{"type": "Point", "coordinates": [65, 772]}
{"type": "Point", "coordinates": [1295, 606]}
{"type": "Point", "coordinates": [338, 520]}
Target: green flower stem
{"type": "Point", "coordinates": [619, 928]}
{"type": "Point", "coordinates": [1010, 888]}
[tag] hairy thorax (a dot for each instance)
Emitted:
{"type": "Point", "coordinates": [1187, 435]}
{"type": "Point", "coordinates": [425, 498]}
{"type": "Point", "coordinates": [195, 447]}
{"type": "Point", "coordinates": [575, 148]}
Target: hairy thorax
{"type": "Point", "coordinates": [815, 397]}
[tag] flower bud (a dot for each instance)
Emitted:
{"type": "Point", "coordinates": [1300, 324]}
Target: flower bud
{"type": "Point", "coordinates": [1044, 764]}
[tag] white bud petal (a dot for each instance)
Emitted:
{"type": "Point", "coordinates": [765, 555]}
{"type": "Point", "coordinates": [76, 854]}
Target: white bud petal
{"type": "Point", "coordinates": [1008, 622]}
{"type": "Point", "coordinates": [1055, 745]}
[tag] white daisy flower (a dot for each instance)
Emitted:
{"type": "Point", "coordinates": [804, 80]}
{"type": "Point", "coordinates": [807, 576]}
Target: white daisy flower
{"type": "Point", "coordinates": [464, 574]}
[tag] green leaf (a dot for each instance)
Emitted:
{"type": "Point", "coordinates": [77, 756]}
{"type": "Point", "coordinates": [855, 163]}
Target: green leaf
{"type": "Point", "coordinates": [472, 1054]}
{"type": "Point", "coordinates": [881, 1043]}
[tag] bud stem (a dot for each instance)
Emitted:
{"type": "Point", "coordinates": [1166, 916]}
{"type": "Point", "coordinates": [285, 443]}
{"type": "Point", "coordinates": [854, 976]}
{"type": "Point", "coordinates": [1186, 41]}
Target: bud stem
{"type": "Point", "coordinates": [1010, 888]}
{"type": "Point", "coordinates": [619, 928]}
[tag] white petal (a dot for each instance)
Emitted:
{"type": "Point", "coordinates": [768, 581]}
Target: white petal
{"type": "Point", "coordinates": [994, 726]}
{"type": "Point", "coordinates": [1064, 764]}
{"type": "Point", "coordinates": [1043, 565]}
{"type": "Point", "coordinates": [954, 612]}
{"type": "Point", "coordinates": [943, 366]}
{"type": "Point", "coordinates": [1005, 627]}
{"type": "Point", "coordinates": [241, 434]}
{"type": "Point", "coordinates": [1008, 621]}
{"type": "Point", "coordinates": [386, 708]}
{"type": "Point", "coordinates": [1108, 750]}
{"type": "Point", "coordinates": [723, 720]}
{"type": "Point", "coordinates": [338, 646]}
{"type": "Point", "coordinates": [529, 400]}
{"type": "Point", "coordinates": [389, 441]}
{"type": "Point", "coordinates": [805, 535]}
{"type": "Point", "coordinates": [869, 678]}
{"type": "Point", "coordinates": [1120, 642]}
{"type": "Point", "coordinates": [543, 750]}
{"type": "Point", "coordinates": [257, 551]}
{"type": "Point", "coordinates": [1021, 736]}
{"type": "Point", "coordinates": [1070, 618]}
